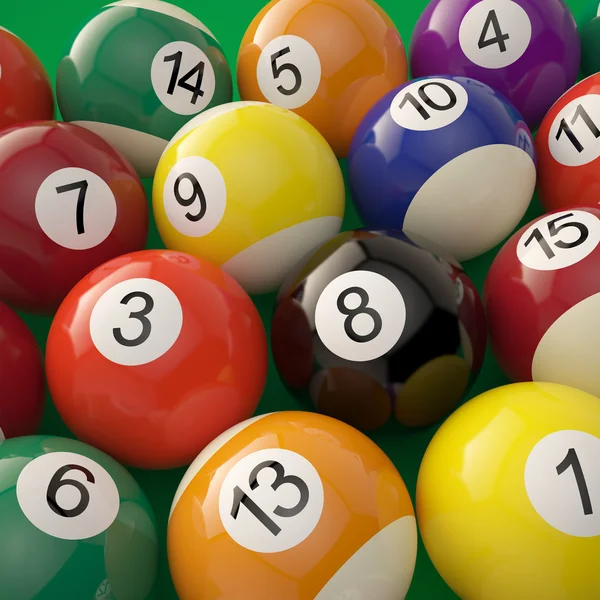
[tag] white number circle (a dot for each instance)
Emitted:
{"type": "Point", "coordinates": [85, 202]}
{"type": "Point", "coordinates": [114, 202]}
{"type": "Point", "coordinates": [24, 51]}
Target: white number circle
{"type": "Point", "coordinates": [271, 500]}
{"type": "Point", "coordinates": [559, 240]}
{"type": "Point", "coordinates": [429, 104]}
{"type": "Point", "coordinates": [495, 33]}
{"type": "Point", "coordinates": [562, 478]}
{"type": "Point", "coordinates": [75, 208]}
{"type": "Point", "coordinates": [289, 71]}
{"type": "Point", "coordinates": [136, 321]}
{"type": "Point", "coordinates": [183, 78]}
{"type": "Point", "coordinates": [195, 196]}
{"type": "Point", "coordinates": [360, 316]}
{"type": "Point", "coordinates": [574, 138]}
{"type": "Point", "coordinates": [68, 496]}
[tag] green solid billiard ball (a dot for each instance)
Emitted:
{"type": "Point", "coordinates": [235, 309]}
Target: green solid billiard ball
{"type": "Point", "coordinates": [589, 31]}
{"type": "Point", "coordinates": [137, 73]}
{"type": "Point", "coordinates": [73, 524]}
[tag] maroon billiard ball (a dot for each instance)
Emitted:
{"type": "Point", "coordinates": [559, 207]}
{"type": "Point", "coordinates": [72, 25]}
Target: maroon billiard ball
{"type": "Point", "coordinates": [542, 297]}
{"type": "Point", "coordinates": [21, 377]}
{"type": "Point", "coordinates": [68, 203]}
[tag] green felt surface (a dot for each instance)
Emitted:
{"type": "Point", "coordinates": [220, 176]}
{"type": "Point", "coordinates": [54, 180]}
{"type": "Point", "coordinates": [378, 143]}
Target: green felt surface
{"type": "Point", "coordinates": [48, 27]}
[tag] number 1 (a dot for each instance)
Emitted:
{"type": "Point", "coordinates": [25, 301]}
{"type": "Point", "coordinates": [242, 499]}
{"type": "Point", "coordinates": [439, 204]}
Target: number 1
{"type": "Point", "coordinates": [240, 497]}
{"type": "Point", "coordinates": [572, 460]}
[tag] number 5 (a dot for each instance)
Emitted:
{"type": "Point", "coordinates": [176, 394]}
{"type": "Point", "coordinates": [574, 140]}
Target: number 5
{"type": "Point", "coordinates": [279, 69]}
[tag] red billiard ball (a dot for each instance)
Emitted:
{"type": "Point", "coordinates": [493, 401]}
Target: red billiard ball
{"type": "Point", "coordinates": [68, 203]}
{"type": "Point", "coordinates": [542, 296]}
{"type": "Point", "coordinates": [25, 90]}
{"type": "Point", "coordinates": [153, 355]}
{"type": "Point", "coordinates": [568, 148]}
{"type": "Point", "coordinates": [21, 377]}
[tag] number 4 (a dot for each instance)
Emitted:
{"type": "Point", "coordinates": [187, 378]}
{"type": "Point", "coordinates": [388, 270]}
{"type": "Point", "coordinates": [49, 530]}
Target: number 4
{"type": "Point", "coordinates": [500, 38]}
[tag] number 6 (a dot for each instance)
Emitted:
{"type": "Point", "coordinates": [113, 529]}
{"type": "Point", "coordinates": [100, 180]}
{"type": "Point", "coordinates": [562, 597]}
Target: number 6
{"type": "Point", "coordinates": [57, 482]}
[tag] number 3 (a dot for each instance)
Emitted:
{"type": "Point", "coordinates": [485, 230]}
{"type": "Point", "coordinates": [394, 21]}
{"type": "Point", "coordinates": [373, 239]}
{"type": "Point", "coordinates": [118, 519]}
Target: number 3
{"type": "Point", "coordinates": [141, 316]}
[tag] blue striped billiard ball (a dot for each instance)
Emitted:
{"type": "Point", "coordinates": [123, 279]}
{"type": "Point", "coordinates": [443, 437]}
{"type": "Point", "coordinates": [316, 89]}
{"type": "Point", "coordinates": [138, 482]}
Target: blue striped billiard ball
{"type": "Point", "coordinates": [446, 158]}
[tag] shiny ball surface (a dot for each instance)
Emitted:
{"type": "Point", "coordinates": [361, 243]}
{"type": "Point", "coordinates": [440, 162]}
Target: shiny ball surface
{"type": "Point", "coordinates": [329, 61]}
{"type": "Point", "coordinates": [542, 297]}
{"type": "Point", "coordinates": [153, 355]}
{"type": "Point", "coordinates": [528, 50]}
{"type": "Point", "coordinates": [22, 378]}
{"type": "Point", "coordinates": [75, 524]}
{"type": "Point", "coordinates": [568, 149]}
{"type": "Point", "coordinates": [519, 514]}
{"type": "Point", "coordinates": [300, 506]}
{"type": "Point", "coordinates": [374, 325]}
{"type": "Point", "coordinates": [25, 89]}
{"type": "Point", "coordinates": [69, 202]}
{"type": "Point", "coordinates": [251, 187]}
{"type": "Point", "coordinates": [447, 158]}
{"type": "Point", "coordinates": [137, 72]}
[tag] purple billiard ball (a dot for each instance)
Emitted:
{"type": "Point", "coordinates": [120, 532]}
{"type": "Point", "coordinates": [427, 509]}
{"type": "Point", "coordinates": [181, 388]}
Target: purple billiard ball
{"type": "Point", "coordinates": [528, 50]}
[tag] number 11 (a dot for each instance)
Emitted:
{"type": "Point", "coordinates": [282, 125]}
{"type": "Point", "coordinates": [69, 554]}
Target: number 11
{"type": "Point", "coordinates": [564, 126]}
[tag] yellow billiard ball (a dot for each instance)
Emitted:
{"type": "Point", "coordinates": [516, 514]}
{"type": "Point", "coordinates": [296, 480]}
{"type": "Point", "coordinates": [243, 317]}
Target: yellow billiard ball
{"type": "Point", "coordinates": [292, 505]}
{"type": "Point", "coordinates": [508, 495]}
{"type": "Point", "coordinates": [251, 187]}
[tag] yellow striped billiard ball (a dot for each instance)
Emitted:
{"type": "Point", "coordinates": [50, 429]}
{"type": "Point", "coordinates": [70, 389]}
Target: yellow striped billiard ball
{"type": "Point", "coordinates": [251, 187]}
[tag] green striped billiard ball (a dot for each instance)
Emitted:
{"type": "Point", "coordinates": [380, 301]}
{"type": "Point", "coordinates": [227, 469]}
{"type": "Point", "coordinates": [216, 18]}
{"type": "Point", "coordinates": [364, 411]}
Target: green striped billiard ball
{"type": "Point", "coordinates": [73, 524]}
{"type": "Point", "coordinates": [137, 72]}
{"type": "Point", "coordinates": [589, 32]}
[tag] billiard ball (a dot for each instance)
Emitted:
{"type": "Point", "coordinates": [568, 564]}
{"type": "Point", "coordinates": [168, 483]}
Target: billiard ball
{"type": "Point", "coordinates": [542, 297]}
{"type": "Point", "coordinates": [528, 50]}
{"type": "Point", "coordinates": [446, 158]}
{"type": "Point", "coordinates": [137, 72]}
{"type": "Point", "coordinates": [295, 505]}
{"type": "Point", "coordinates": [21, 377]}
{"type": "Point", "coordinates": [329, 61]}
{"type": "Point", "coordinates": [153, 355]}
{"type": "Point", "coordinates": [25, 89]}
{"type": "Point", "coordinates": [375, 324]}
{"type": "Point", "coordinates": [568, 149]}
{"type": "Point", "coordinates": [69, 202]}
{"type": "Point", "coordinates": [508, 495]}
{"type": "Point", "coordinates": [75, 524]}
{"type": "Point", "coordinates": [589, 32]}
{"type": "Point", "coordinates": [251, 187]}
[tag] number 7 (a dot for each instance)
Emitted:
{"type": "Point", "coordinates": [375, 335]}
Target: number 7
{"type": "Point", "coordinates": [82, 186]}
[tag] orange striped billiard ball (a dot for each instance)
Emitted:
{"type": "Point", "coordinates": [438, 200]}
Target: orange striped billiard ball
{"type": "Point", "coordinates": [299, 506]}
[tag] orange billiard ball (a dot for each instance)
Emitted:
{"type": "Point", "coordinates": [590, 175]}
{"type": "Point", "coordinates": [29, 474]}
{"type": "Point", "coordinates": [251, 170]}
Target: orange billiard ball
{"type": "Point", "coordinates": [329, 61]}
{"type": "Point", "coordinates": [296, 505]}
{"type": "Point", "coordinates": [153, 355]}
